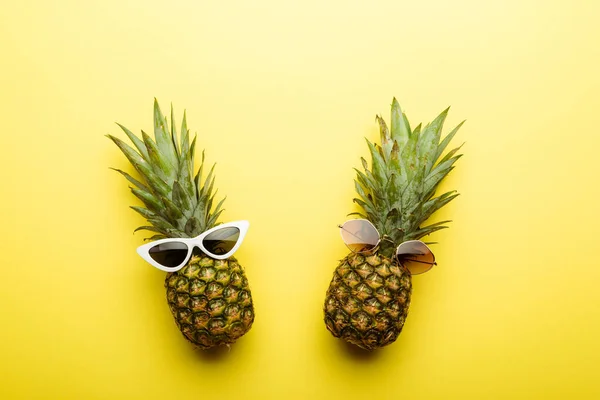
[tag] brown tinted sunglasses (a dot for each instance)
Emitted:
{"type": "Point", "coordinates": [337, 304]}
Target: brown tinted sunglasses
{"type": "Point", "coordinates": [361, 236]}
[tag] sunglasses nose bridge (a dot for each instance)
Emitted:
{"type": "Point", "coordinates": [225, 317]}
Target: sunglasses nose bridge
{"type": "Point", "coordinates": [196, 243]}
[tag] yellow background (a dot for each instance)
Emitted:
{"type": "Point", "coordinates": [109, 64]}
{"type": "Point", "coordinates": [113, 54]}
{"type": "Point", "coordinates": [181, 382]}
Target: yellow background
{"type": "Point", "coordinates": [281, 94]}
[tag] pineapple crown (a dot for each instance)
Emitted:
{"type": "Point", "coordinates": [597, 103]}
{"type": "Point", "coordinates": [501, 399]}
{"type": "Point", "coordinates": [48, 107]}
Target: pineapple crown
{"type": "Point", "coordinates": [397, 193]}
{"type": "Point", "coordinates": [177, 204]}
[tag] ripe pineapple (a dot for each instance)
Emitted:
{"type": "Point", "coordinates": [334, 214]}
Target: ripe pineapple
{"type": "Point", "coordinates": [210, 299]}
{"type": "Point", "coordinates": [368, 299]}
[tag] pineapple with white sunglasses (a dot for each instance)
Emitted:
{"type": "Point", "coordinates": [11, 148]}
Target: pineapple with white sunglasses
{"type": "Point", "coordinates": [207, 289]}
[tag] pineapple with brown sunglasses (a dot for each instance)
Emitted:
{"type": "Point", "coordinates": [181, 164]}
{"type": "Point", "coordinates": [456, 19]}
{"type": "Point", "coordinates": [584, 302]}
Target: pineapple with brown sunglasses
{"type": "Point", "coordinates": [368, 299]}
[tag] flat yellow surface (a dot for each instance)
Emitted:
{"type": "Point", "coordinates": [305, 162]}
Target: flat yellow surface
{"type": "Point", "coordinates": [281, 95]}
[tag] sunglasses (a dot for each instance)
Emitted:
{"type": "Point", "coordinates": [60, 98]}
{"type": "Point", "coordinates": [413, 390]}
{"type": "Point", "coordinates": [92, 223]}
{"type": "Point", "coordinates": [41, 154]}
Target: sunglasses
{"type": "Point", "coordinates": [172, 254]}
{"type": "Point", "coordinates": [361, 236]}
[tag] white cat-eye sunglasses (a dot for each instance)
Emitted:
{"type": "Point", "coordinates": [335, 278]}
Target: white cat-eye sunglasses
{"type": "Point", "coordinates": [172, 254]}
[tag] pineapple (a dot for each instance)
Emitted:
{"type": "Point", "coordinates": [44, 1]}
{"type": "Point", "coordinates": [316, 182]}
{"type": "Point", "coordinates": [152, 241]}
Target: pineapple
{"type": "Point", "coordinates": [368, 299]}
{"type": "Point", "coordinates": [209, 299]}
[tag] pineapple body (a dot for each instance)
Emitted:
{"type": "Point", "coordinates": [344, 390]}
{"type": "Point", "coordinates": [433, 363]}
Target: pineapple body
{"type": "Point", "coordinates": [211, 301]}
{"type": "Point", "coordinates": [367, 301]}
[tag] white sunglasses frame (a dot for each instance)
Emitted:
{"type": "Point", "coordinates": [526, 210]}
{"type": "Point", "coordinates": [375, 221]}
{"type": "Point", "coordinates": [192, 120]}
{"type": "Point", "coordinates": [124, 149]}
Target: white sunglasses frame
{"type": "Point", "coordinates": [379, 241]}
{"type": "Point", "coordinates": [144, 250]}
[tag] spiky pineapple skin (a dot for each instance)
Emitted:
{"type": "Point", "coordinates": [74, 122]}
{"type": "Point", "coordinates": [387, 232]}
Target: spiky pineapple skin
{"type": "Point", "coordinates": [367, 301]}
{"type": "Point", "coordinates": [211, 301]}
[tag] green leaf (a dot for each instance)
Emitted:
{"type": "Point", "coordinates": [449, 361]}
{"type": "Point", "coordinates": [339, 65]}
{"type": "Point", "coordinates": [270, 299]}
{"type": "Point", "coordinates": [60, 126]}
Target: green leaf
{"type": "Point", "coordinates": [398, 166]}
{"type": "Point", "coordinates": [161, 166]}
{"type": "Point", "coordinates": [212, 221]}
{"type": "Point", "coordinates": [144, 212]}
{"type": "Point", "coordinates": [405, 119]}
{"type": "Point", "coordinates": [174, 134]}
{"type": "Point", "coordinates": [209, 203]}
{"type": "Point", "coordinates": [436, 224]}
{"type": "Point", "coordinates": [393, 213]}
{"type": "Point", "coordinates": [357, 214]}
{"type": "Point", "coordinates": [365, 206]}
{"type": "Point", "coordinates": [447, 140]}
{"type": "Point", "coordinates": [131, 179]}
{"type": "Point", "coordinates": [171, 209]}
{"type": "Point", "coordinates": [148, 228]}
{"type": "Point", "coordinates": [192, 154]}
{"type": "Point", "coordinates": [142, 166]}
{"type": "Point", "coordinates": [207, 186]}
{"type": "Point", "coordinates": [208, 197]}
{"type": "Point", "coordinates": [435, 204]}
{"type": "Point", "coordinates": [185, 134]}
{"type": "Point", "coordinates": [433, 181]}
{"type": "Point", "coordinates": [400, 126]}
{"type": "Point", "coordinates": [186, 182]}
{"type": "Point", "coordinates": [417, 130]}
{"type": "Point", "coordinates": [133, 156]}
{"type": "Point", "coordinates": [200, 215]}
{"type": "Point", "coordinates": [136, 141]}
{"type": "Point", "coordinates": [199, 174]}
{"type": "Point", "coordinates": [219, 205]}
{"type": "Point", "coordinates": [445, 164]}
{"type": "Point", "coordinates": [377, 164]}
{"type": "Point", "coordinates": [162, 136]}
{"type": "Point", "coordinates": [192, 227]}
{"type": "Point", "coordinates": [185, 165]}
{"type": "Point", "coordinates": [366, 179]}
{"type": "Point", "coordinates": [439, 173]}
{"type": "Point", "coordinates": [429, 140]}
{"type": "Point", "coordinates": [197, 184]}
{"type": "Point", "coordinates": [364, 163]}
{"type": "Point", "coordinates": [182, 200]}
{"type": "Point", "coordinates": [364, 197]}
{"type": "Point", "coordinates": [156, 237]}
{"type": "Point", "coordinates": [451, 153]}
{"type": "Point", "coordinates": [413, 193]}
{"type": "Point", "coordinates": [148, 199]}
{"type": "Point", "coordinates": [386, 141]}
{"type": "Point", "coordinates": [409, 157]}
{"type": "Point", "coordinates": [165, 227]}
{"type": "Point", "coordinates": [392, 194]}
{"type": "Point", "coordinates": [419, 233]}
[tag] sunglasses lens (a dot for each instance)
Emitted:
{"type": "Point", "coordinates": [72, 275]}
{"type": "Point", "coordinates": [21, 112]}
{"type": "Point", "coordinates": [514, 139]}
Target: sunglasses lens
{"type": "Point", "coordinates": [359, 235]}
{"type": "Point", "coordinates": [415, 256]}
{"type": "Point", "coordinates": [221, 241]}
{"type": "Point", "coordinates": [171, 254]}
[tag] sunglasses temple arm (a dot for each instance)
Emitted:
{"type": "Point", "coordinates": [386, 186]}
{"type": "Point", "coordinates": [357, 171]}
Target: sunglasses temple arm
{"type": "Point", "coordinates": [422, 262]}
